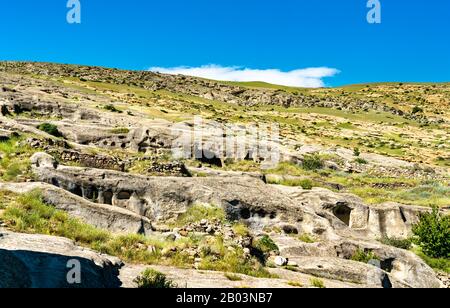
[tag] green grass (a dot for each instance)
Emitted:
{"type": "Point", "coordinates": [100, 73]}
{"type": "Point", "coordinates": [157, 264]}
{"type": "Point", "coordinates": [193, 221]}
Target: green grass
{"type": "Point", "coordinates": [198, 212]}
{"type": "Point", "coordinates": [16, 159]}
{"type": "Point", "coordinates": [303, 183]}
{"type": "Point", "coordinates": [379, 189]}
{"type": "Point", "coordinates": [442, 161]}
{"type": "Point", "coordinates": [242, 165]}
{"type": "Point", "coordinates": [347, 125]}
{"type": "Point", "coordinates": [287, 168]}
{"type": "Point", "coordinates": [373, 189]}
{"type": "Point", "coordinates": [295, 284]}
{"type": "Point", "coordinates": [438, 264]}
{"type": "Point", "coordinates": [317, 283]}
{"type": "Point", "coordinates": [371, 116]}
{"type": "Point", "coordinates": [306, 238]}
{"type": "Point", "coordinates": [232, 277]}
{"type": "Point", "coordinates": [29, 214]}
{"type": "Point", "coordinates": [427, 195]}
{"type": "Point", "coordinates": [6, 198]}
{"type": "Point", "coordinates": [235, 262]}
{"type": "Point", "coordinates": [120, 130]}
{"type": "Point", "coordinates": [241, 229]}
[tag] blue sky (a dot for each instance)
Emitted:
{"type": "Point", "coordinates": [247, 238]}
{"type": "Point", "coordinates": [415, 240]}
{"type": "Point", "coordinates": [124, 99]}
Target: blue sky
{"type": "Point", "coordinates": [411, 44]}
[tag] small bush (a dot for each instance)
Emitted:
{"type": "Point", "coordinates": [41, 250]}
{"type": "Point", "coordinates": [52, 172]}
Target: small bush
{"type": "Point", "coordinates": [306, 238]}
{"type": "Point", "coordinates": [265, 244]}
{"type": "Point", "coordinates": [398, 243]}
{"type": "Point", "coordinates": [50, 129]}
{"type": "Point", "coordinates": [312, 162]}
{"type": "Point", "coordinates": [241, 229]}
{"type": "Point", "coordinates": [295, 284]}
{"type": "Point", "coordinates": [317, 283]}
{"type": "Point", "coordinates": [306, 184]}
{"type": "Point", "coordinates": [361, 161]}
{"type": "Point", "coordinates": [432, 234]}
{"type": "Point", "coordinates": [363, 256]}
{"type": "Point", "coordinates": [112, 108]}
{"type": "Point", "coordinates": [356, 152]}
{"type": "Point", "coordinates": [151, 279]}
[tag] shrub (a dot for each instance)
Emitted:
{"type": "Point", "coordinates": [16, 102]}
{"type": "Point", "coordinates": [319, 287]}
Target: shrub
{"type": "Point", "coordinates": [295, 284]}
{"type": "Point", "coordinates": [306, 238]}
{"type": "Point", "coordinates": [112, 108]}
{"type": "Point", "coordinates": [356, 152]}
{"type": "Point", "coordinates": [363, 256]}
{"type": "Point", "coordinates": [265, 244]}
{"type": "Point", "coordinates": [50, 129]}
{"type": "Point", "coordinates": [306, 184]}
{"type": "Point", "coordinates": [361, 161]}
{"type": "Point", "coordinates": [317, 283]}
{"type": "Point", "coordinates": [399, 243]}
{"type": "Point", "coordinates": [312, 162]}
{"type": "Point", "coordinates": [241, 229]}
{"type": "Point", "coordinates": [151, 279]}
{"type": "Point", "coordinates": [432, 234]}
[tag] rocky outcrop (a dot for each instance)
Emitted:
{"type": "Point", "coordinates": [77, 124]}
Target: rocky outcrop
{"type": "Point", "coordinates": [343, 223]}
{"type": "Point", "coordinates": [318, 211]}
{"type": "Point", "coordinates": [393, 268]}
{"type": "Point", "coordinates": [391, 220]}
{"type": "Point", "coordinates": [40, 261]}
{"type": "Point", "coordinates": [117, 220]}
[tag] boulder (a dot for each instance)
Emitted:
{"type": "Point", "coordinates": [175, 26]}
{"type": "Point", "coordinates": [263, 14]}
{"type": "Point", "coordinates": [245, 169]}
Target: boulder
{"type": "Point", "coordinates": [40, 261]}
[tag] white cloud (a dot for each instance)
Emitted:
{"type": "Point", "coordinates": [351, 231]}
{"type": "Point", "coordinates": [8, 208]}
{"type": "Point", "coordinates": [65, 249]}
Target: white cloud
{"type": "Point", "coordinates": [308, 77]}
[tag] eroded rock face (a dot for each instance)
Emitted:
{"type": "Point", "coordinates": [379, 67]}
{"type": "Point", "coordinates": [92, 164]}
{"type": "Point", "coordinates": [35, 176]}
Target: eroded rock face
{"type": "Point", "coordinates": [345, 210]}
{"type": "Point", "coordinates": [164, 198]}
{"type": "Point", "coordinates": [114, 219]}
{"type": "Point", "coordinates": [396, 268]}
{"type": "Point", "coordinates": [39, 261]}
{"type": "Point", "coordinates": [317, 211]}
{"type": "Point", "coordinates": [342, 222]}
